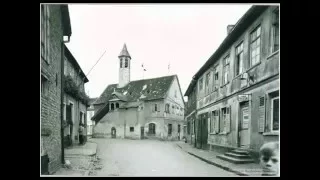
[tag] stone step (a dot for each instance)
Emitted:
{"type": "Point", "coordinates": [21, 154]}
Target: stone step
{"type": "Point", "coordinates": [235, 160]}
{"type": "Point", "coordinates": [239, 151]}
{"type": "Point", "coordinates": [236, 155]}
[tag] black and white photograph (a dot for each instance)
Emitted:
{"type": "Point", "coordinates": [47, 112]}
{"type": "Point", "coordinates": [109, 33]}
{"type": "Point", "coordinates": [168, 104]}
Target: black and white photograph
{"type": "Point", "coordinates": [159, 90]}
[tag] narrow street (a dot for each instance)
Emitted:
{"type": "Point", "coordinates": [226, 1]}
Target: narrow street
{"type": "Point", "coordinates": [123, 157]}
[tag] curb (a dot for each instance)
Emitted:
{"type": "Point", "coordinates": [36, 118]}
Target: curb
{"type": "Point", "coordinates": [215, 164]}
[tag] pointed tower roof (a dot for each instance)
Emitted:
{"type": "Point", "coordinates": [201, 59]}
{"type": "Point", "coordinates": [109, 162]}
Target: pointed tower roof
{"type": "Point", "coordinates": [124, 51]}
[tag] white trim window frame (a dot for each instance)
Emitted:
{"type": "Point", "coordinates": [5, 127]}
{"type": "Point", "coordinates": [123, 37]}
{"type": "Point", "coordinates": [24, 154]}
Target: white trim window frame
{"type": "Point", "coordinates": [275, 31]}
{"type": "Point", "coordinates": [272, 109]}
{"type": "Point", "coordinates": [226, 70]}
{"type": "Point", "coordinates": [64, 111]}
{"type": "Point", "coordinates": [255, 46]}
{"type": "Point", "coordinates": [72, 111]}
{"type": "Point", "coordinates": [239, 59]}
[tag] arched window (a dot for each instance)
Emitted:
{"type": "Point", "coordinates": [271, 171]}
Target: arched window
{"type": "Point", "coordinates": [126, 63]}
{"type": "Point", "coordinates": [117, 105]}
{"type": "Point", "coordinates": [112, 106]}
{"type": "Point", "coordinates": [152, 129]}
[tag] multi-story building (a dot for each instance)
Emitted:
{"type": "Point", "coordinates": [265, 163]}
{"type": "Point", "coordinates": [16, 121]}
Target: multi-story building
{"type": "Point", "coordinates": [148, 108]}
{"type": "Point", "coordinates": [237, 98]}
{"type": "Point", "coordinates": [55, 25]}
{"type": "Point", "coordinates": [75, 100]}
{"type": "Point", "coordinates": [90, 114]}
{"type": "Point", "coordinates": [191, 111]}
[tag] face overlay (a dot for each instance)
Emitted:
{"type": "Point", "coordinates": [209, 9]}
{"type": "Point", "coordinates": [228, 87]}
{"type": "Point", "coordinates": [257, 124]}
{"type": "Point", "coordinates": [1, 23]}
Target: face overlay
{"type": "Point", "coordinates": [270, 163]}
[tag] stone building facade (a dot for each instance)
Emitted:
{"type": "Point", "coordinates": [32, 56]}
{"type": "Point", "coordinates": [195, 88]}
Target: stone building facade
{"type": "Point", "coordinates": [55, 24]}
{"type": "Point", "coordinates": [238, 87]}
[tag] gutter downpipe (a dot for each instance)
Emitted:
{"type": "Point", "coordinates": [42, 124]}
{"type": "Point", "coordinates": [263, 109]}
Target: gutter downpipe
{"type": "Point", "coordinates": [62, 97]}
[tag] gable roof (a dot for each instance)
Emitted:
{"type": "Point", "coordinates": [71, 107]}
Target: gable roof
{"type": "Point", "coordinates": [240, 27]}
{"type": "Point", "coordinates": [65, 17]}
{"type": "Point", "coordinates": [74, 62]}
{"type": "Point", "coordinates": [146, 89]}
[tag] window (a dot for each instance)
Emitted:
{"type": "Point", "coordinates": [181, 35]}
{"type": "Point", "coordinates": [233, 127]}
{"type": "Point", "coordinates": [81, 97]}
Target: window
{"type": "Point", "coordinates": [131, 129]}
{"type": "Point", "coordinates": [275, 114]}
{"type": "Point", "coordinates": [44, 85]}
{"type": "Point", "coordinates": [215, 120]}
{"type": "Point", "coordinates": [216, 78]}
{"type": "Point", "coordinates": [155, 108]}
{"type": "Point", "coordinates": [188, 127]}
{"type": "Point", "coordinates": [207, 82]}
{"type": "Point", "coordinates": [226, 62]}
{"type": "Point", "coordinates": [239, 59]}
{"type": "Point", "coordinates": [167, 107]}
{"type": "Point", "coordinates": [120, 63]}
{"type": "Point", "coordinates": [126, 63]}
{"type": "Point", "coordinates": [255, 46]}
{"type": "Point", "coordinates": [112, 106]}
{"type": "Point", "coordinates": [172, 109]}
{"type": "Point", "coordinates": [81, 118]}
{"type": "Point", "coordinates": [225, 120]}
{"type": "Point", "coordinates": [64, 111]}
{"type": "Point", "coordinates": [117, 105]}
{"type": "Point", "coordinates": [169, 129]}
{"type": "Point", "coordinates": [45, 33]}
{"type": "Point", "coordinates": [152, 129]}
{"type": "Point", "coordinates": [275, 31]}
{"type": "Point", "coordinates": [200, 84]}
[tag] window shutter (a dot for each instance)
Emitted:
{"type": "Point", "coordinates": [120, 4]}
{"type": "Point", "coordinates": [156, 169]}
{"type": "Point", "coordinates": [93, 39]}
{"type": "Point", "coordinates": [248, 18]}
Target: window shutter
{"type": "Point", "coordinates": [222, 121]}
{"type": "Point", "coordinates": [228, 120]}
{"type": "Point", "coordinates": [262, 113]}
{"type": "Point", "coordinates": [209, 122]}
{"type": "Point", "coordinates": [217, 124]}
{"type": "Point", "coordinates": [47, 33]}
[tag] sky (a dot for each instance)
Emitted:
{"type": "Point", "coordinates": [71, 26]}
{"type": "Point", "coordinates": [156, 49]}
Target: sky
{"type": "Point", "coordinates": [156, 35]}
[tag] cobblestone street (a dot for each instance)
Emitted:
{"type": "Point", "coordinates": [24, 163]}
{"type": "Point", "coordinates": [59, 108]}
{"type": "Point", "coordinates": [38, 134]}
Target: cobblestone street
{"type": "Point", "coordinates": [123, 157]}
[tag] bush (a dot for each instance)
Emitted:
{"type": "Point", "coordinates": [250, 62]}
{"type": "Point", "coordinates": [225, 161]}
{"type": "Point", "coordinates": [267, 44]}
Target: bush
{"type": "Point", "coordinates": [71, 88]}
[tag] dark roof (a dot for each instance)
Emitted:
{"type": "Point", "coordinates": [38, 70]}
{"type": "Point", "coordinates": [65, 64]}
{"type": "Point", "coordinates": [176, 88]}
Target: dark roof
{"type": "Point", "coordinates": [73, 61]}
{"type": "Point", "coordinates": [130, 104]}
{"type": "Point", "coordinates": [190, 87]}
{"type": "Point", "coordinates": [244, 22]}
{"type": "Point", "coordinates": [92, 100]}
{"type": "Point", "coordinates": [65, 17]}
{"type": "Point", "coordinates": [100, 113]}
{"type": "Point", "coordinates": [146, 89]}
{"type": "Point", "coordinates": [124, 52]}
{"type": "Point", "coordinates": [120, 96]}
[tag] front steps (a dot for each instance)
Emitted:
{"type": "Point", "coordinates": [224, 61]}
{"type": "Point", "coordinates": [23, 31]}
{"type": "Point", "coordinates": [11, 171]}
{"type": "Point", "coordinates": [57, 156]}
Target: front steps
{"type": "Point", "coordinates": [237, 156]}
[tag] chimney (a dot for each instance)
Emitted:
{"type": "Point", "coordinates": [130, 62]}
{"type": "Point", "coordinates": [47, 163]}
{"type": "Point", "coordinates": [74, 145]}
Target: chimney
{"type": "Point", "coordinates": [229, 28]}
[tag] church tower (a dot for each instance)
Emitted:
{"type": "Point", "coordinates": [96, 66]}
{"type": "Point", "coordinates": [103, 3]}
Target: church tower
{"type": "Point", "coordinates": [124, 68]}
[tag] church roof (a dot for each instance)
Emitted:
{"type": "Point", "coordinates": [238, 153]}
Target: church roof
{"type": "Point", "coordinates": [124, 52]}
{"type": "Point", "coordinates": [146, 89]}
{"type": "Point", "coordinates": [133, 93]}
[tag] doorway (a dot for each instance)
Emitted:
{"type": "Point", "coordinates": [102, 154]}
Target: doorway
{"type": "Point", "coordinates": [113, 132]}
{"type": "Point", "coordinates": [142, 133]}
{"type": "Point", "coordinates": [244, 130]}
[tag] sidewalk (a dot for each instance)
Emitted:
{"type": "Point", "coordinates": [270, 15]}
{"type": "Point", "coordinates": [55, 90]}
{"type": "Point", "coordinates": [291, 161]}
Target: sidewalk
{"type": "Point", "coordinates": [82, 159]}
{"type": "Point", "coordinates": [251, 169]}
